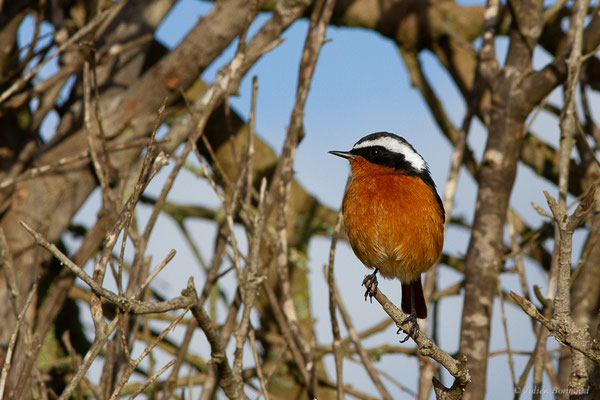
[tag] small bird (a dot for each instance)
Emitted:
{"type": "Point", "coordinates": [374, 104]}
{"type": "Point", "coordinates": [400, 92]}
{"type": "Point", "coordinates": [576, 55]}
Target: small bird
{"type": "Point", "coordinates": [394, 216]}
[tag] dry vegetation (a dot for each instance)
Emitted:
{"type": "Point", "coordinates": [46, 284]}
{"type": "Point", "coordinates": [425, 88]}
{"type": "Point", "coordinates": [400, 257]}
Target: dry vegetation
{"type": "Point", "coordinates": [128, 85]}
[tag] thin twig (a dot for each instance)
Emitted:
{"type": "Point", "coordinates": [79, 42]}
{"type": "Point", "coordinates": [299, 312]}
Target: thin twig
{"type": "Point", "coordinates": [6, 262]}
{"type": "Point", "coordinates": [261, 378]}
{"type": "Point", "coordinates": [366, 361]}
{"type": "Point", "coordinates": [133, 364]}
{"type": "Point", "coordinates": [81, 157]}
{"type": "Point", "coordinates": [253, 279]}
{"type": "Point", "coordinates": [90, 26]}
{"type": "Point", "coordinates": [335, 329]}
{"type": "Point", "coordinates": [287, 335]}
{"type": "Point", "coordinates": [13, 339]}
{"type": "Point", "coordinates": [151, 380]}
{"type": "Point", "coordinates": [90, 356]}
{"type": "Point", "coordinates": [129, 305]}
{"type": "Point", "coordinates": [511, 363]}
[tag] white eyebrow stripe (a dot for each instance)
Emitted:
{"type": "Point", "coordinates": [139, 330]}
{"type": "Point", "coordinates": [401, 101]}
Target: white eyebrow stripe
{"type": "Point", "coordinates": [396, 146]}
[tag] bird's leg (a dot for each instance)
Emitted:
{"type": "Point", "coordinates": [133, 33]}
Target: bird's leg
{"type": "Point", "coordinates": [412, 318]}
{"type": "Point", "coordinates": [370, 282]}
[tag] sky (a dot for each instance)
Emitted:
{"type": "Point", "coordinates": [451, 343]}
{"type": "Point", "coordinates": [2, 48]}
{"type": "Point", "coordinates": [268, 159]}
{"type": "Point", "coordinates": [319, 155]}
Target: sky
{"type": "Point", "coordinates": [360, 86]}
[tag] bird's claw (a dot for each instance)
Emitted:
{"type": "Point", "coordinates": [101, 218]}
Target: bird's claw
{"type": "Point", "coordinates": [370, 282]}
{"type": "Point", "coordinates": [414, 330]}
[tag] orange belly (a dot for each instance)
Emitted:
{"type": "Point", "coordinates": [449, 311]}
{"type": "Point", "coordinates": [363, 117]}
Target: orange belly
{"type": "Point", "coordinates": [394, 222]}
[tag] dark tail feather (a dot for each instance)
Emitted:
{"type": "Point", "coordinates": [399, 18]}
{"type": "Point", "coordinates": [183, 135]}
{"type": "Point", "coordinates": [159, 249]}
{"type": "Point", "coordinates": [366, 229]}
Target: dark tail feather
{"type": "Point", "coordinates": [420, 304]}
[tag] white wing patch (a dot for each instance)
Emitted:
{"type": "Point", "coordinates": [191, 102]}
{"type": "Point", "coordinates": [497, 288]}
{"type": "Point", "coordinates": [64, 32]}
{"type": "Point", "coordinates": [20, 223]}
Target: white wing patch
{"type": "Point", "coordinates": [397, 146]}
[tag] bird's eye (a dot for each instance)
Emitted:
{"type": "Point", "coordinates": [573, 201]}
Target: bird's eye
{"type": "Point", "coordinates": [375, 152]}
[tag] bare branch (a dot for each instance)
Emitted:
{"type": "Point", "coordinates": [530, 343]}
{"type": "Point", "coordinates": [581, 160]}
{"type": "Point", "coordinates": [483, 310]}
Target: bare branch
{"type": "Point", "coordinates": [426, 346]}
{"type": "Point", "coordinates": [360, 349]}
{"type": "Point", "coordinates": [107, 14]}
{"type": "Point", "coordinates": [151, 380]}
{"type": "Point", "coordinates": [337, 342]}
{"type": "Point", "coordinates": [130, 305]}
{"type": "Point", "coordinates": [567, 334]}
{"type": "Point", "coordinates": [13, 339]}
{"type": "Point", "coordinates": [230, 383]}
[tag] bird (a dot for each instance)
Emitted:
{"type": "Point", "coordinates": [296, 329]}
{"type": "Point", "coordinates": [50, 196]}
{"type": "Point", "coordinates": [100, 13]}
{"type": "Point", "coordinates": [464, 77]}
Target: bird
{"type": "Point", "coordinates": [394, 217]}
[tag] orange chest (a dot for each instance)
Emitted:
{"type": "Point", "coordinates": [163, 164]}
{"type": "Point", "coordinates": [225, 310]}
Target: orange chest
{"type": "Point", "coordinates": [394, 223]}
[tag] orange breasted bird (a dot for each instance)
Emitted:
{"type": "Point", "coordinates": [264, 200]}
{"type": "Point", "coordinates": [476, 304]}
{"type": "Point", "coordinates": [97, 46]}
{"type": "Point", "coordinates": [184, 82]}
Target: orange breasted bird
{"type": "Point", "coordinates": [394, 216]}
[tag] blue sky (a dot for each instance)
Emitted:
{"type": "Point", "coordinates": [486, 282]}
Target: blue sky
{"type": "Point", "coordinates": [360, 86]}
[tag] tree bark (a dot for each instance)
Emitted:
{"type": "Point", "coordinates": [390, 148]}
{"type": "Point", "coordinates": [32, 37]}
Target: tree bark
{"type": "Point", "coordinates": [496, 176]}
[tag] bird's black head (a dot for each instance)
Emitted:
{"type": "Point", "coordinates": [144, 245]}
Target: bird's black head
{"type": "Point", "coordinates": [392, 151]}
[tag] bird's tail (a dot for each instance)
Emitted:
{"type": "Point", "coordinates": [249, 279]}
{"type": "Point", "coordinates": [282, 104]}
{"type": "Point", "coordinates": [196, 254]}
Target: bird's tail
{"type": "Point", "coordinates": [420, 305]}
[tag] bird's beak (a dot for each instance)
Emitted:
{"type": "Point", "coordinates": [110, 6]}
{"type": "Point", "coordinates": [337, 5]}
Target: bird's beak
{"type": "Point", "coordinates": [343, 154]}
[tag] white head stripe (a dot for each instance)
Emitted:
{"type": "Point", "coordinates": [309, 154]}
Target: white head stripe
{"type": "Point", "coordinates": [396, 146]}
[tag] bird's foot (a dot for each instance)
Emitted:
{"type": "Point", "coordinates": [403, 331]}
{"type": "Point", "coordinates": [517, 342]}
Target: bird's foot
{"type": "Point", "coordinates": [413, 331]}
{"type": "Point", "coordinates": [370, 282]}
